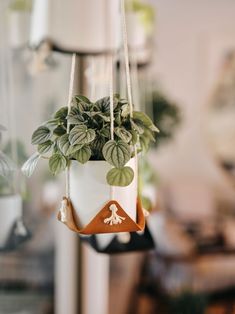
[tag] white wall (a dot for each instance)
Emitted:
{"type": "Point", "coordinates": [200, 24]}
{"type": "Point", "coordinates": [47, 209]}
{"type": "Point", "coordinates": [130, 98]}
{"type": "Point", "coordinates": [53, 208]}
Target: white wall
{"type": "Point", "coordinates": [190, 36]}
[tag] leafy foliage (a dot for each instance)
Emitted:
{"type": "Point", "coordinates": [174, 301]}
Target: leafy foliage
{"type": "Point", "coordinates": [89, 137]}
{"type": "Point", "coordinates": [166, 115]}
{"type": "Point", "coordinates": [7, 167]}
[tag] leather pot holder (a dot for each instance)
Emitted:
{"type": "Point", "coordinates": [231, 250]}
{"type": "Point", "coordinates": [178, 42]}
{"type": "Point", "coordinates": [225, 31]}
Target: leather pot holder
{"type": "Point", "coordinates": [101, 222]}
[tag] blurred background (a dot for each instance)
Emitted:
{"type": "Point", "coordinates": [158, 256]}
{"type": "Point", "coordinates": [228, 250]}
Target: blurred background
{"type": "Point", "coordinates": [182, 62]}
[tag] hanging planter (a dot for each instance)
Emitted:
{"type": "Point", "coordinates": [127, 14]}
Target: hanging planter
{"type": "Point", "coordinates": [10, 212]}
{"type": "Point", "coordinates": [105, 137]}
{"type": "Point", "coordinates": [140, 25]}
{"type": "Point", "coordinates": [11, 225]}
{"type": "Point", "coordinates": [19, 23]}
{"type": "Point", "coordinates": [97, 162]}
{"type": "Point", "coordinates": [56, 21]}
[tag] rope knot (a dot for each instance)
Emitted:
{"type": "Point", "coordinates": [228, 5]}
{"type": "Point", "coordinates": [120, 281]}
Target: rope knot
{"type": "Point", "coordinates": [114, 219]}
{"type": "Point", "coordinates": [63, 210]}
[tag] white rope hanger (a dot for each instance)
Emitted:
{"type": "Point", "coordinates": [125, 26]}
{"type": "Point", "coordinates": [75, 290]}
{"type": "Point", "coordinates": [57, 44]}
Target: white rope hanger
{"type": "Point", "coordinates": [70, 95]}
{"type": "Point", "coordinates": [63, 209]}
{"type": "Point", "coordinates": [115, 218]}
{"type": "Point", "coordinates": [128, 76]}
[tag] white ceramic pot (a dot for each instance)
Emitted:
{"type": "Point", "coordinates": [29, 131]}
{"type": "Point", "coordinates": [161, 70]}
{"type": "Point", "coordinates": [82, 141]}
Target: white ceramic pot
{"type": "Point", "coordinates": [137, 35]}
{"type": "Point", "coordinates": [90, 192]}
{"type": "Point", "coordinates": [10, 211]}
{"type": "Point", "coordinates": [77, 24]}
{"type": "Point", "coordinates": [19, 24]}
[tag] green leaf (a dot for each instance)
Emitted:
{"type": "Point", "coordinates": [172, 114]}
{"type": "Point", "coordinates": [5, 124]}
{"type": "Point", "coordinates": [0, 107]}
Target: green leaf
{"type": "Point", "coordinates": [52, 124]}
{"type": "Point", "coordinates": [61, 113]}
{"type": "Point", "coordinates": [30, 164]}
{"type": "Point", "coordinates": [75, 117]}
{"type": "Point", "coordinates": [81, 98]}
{"type": "Point", "coordinates": [118, 118]}
{"type": "Point", "coordinates": [60, 130]}
{"type": "Point", "coordinates": [123, 134]}
{"type": "Point", "coordinates": [74, 149]}
{"type": "Point", "coordinates": [145, 120]}
{"type": "Point", "coordinates": [117, 153]}
{"type": "Point", "coordinates": [125, 110]}
{"type": "Point", "coordinates": [97, 146]}
{"type": "Point", "coordinates": [154, 128]}
{"type": "Point", "coordinates": [41, 135]}
{"type": "Point", "coordinates": [137, 126]}
{"type": "Point", "coordinates": [45, 147]}
{"type": "Point", "coordinates": [149, 134]}
{"type": "Point", "coordinates": [144, 143]}
{"type": "Point", "coordinates": [57, 163]}
{"type": "Point", "coordinates": [105, 118]}
{"type": "Point", "coordinates": [63, 144]}
{"type": "Point", "coordinates": [134, 137]}
{"type": "Point", "coordinates": [120, 176]}
{"type": "Point", "coordinates": [103, 105]}
{"type": "Point", "coordinates": [105, 132]}
{"type": "Point", "coordinates": [81, 135]}
{"type": "Point", "coordinates": [83, 155]}
{"type": "Point", "coordinates": [82, 103]}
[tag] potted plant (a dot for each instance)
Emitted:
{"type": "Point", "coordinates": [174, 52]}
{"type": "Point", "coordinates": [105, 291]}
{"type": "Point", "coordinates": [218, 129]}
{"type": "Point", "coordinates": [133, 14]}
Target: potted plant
{"type": "Point", "coordinates": [10, 201]}
{"type": "Point", "coordinates": [140, 19]}
{"type": "Point", "coordinates": [97, 162]}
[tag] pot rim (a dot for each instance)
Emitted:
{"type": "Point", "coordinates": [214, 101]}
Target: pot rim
{"type": "Point", "coordinates": [96, 161]}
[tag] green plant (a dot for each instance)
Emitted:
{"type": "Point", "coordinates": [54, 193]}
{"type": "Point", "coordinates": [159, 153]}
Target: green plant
{"type": "Point", "coordinates": [147, 177]}
{"type": "Point", "coordinates": [21, 5]}
{"type": "Point", "coordinates": [166, 115]}
{"type": "Point", "coordinates": [145, 11]}
{"type": "Point", "coordinates": [7, 168]}
{"type": "Point", "coordinates": [89, 137]}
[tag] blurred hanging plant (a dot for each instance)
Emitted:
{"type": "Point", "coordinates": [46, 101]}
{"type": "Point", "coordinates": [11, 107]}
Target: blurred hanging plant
{"type": "Point", "coordinates": [145, 12]}
{"type": "Point", "coordinates": [7, 167]}
{"type": "Point", "coordinates": [147, 178]}
{"type": "Point", "coordinates": [89, 137]}
{"type": "Point", "coordinates": [166, 115]}
{"type": "Point", "coordinates": [21, 5]}
{"type": "Point", "coordinates": [7, 183]}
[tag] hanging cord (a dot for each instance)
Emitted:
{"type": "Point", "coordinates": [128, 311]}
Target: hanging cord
{"type": "Point", "coordinates": [128, 76]}
{"type": "Point", "coordinates": [126, 56]}
{"type": "Point", "coordinates": [70, 95]}
{"type": "Point", "coordinates": [111, 113]}
{"type": "Point", "coordinates": [111, 99]}
{"type": "Point", "coordinates": [115, 218]}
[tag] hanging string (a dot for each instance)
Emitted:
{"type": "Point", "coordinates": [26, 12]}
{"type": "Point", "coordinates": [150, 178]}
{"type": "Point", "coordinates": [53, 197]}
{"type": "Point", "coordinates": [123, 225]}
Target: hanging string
{"type": "Point", "coordinates": [70, 95]}
{"type": "Point", "coordinates": [128, 76]}
{"type": "Point", "coordinates": [111, 99]}
{"type": "Point", "coordinates": [126, 56]}
{"type": "Point", "coordinates": [135, 81]}
{"type": "Point", "coordinates": [111, 113]}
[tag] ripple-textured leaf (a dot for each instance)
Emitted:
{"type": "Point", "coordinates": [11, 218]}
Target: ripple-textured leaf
{"type": "Point", "coordinates": [117, 153]}
{"type": "Point", "coordinates": [41, 135]}
{"type": "Point", "coordinates": [30, 164]}
{"type": "Point", "coordinates": [120, 176]}
{"type": "Point", "coordinates": [57, 163]}
{"type": "Point", "coordinates": [83, 154]}
{"type": "Point", "coordinates": [81, 135]}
